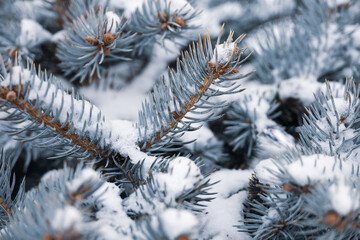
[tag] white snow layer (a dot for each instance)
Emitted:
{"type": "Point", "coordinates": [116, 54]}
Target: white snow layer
{"type": "Point", "coordinates": [32, 33]}
{"type": "Point", "coordinates": [230, 181]}
{"type": "Point", "coordinates": [222, 214]}
{"type": "Point", "coordinates": [337, 3]}
{"type": "Point", "coordinates": [113, 222]}
{"type": "Point", "coordinates": [302, 88]}
{"type": "Point", "coordinates": [113, 20]}
{"type": "Point", "coordinates": [212, 18]}
{"type": "Point", "coordinates": [230, 192]}
{"type": "Point", "coordinates": [223, 52]}
{"type": "Point", "coordinates": [176, 223]}
{"type": "Point", "coordinates": [67, 218]}
{"type": "Point", "coordinates": [344, 197]}
{"type": "Point", "coordinates": [182, 175]}
{"type": "Point", "coordinates": [314, 168]}
{"type": "Point", "coordinates": [86, 175]}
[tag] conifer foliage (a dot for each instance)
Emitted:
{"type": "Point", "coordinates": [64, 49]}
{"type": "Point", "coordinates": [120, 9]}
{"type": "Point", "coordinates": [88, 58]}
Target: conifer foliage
{"type": "Point", "coordinates": [152, 119]}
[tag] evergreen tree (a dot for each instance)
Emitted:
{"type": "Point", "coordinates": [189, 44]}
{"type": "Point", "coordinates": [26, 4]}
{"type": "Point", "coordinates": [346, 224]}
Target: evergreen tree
{"type": "Point", "coordinates": [157, 119]}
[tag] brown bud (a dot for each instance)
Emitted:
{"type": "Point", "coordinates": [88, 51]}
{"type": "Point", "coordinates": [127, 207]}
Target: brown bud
{"type": "Point", "coordinates": [332, 218]}
{"type": "Point", "coordinates": [180, 22]}
{"type": "Point", "coordinates": [47, 236]}
{"type": "Point", "coordinates": [108, 38]}
{"type": "Point", "coordinates": [11, 96]}
{"type": "Point", "coordinates": [183, 237]}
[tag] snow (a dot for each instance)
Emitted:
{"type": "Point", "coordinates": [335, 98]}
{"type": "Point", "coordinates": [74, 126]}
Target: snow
{"type": "Point", "coordinates": [344, 197]}
{"type": "Point", "coordinates": [312, 168]}
{"type": "Point", "coordinates": [222, 214]}
{"type": "Point", "coordinates": [230, 192]}
{"type": "Point", "coordinates": [230, 181]}
{"type": "Point", "coordinates": [59, 36]}
{"type": "Point", "coordinates": [86, 176]}
{"type": "Point", "coordinates": [336, 3]}
{"type": "Point", "coordinates": [182, 175]}
{"type": "Point", "coordinates": [211, 19]}
{"type": "Point", "coordinates": [32, 33]}
{"type": "Point", "coordinates": [128, 6]}
{"type": "Point", "coordinates": [203, 136]}
{"type": "Point", "coordinates": [268, 8]}
{"type": "Point", "coordinates": [271, 217]}
{"type": "Point", "coordinates": [177, 222]}
{"type": "Point", "coordinates": [113, 222]}
{"type": "Point", "coordinates": [225, 210]}
{"type": "Point", "coordinates": [223, 52]}
{"type": "Point", "coordinates": [113, 21]}
{"type": "Point", "coordinates": [66, 218]}
{"type": "Point", "coordinates": [355, 35]}
{"type": "Point", "coordinates": [302, 88]}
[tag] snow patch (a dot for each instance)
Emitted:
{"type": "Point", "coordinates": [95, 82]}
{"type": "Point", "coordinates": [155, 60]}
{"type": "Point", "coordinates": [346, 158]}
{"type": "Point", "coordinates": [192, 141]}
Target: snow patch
{"type": "Point", "coordinates": [312, 168]}
{"type": "Point", "coordinates": [86, 176]}
{"type": "Point", "coordinates": [113, 21]}
{"type": "Point", "coordinates": [32, 33]}
{"type": "Point", "coordinates": [66, 218]}
{"type": "Point", "coordinates": [230, 181]}
{"type": "Point", "coordinates": [222, 214]}
{"type": "Point", "coordinates": [178, 222]}
{"type": "Point", "coordinates": [344, 197]}
{"type": "Point", "coordinates": [302, 88]}
{"type": "Point", "coordinates": [223, 52]}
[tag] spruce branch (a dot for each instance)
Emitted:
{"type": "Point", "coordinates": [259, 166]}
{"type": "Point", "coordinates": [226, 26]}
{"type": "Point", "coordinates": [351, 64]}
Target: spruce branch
{"type": "Point", "coordinates": [202, 73]}
{"type": "Point", "coordinates": [331, 123]}
{"type": "Point", "coordinates": [38, 101]}
{"type": "Point", "coordinates": [95, 38]}
{"type": "Point", "coordinates": [63, 196]}
{"type": "Point", "coordinates": [247, 119]}
{"type": "Point", "coordinates": [157, 20]}
{"type": "Point", "coordinates": [22, 36]}
{"type": "Point", "coordinates": [58, 119]}
{"type": "Point", "coordinates": [297, 196]}
{"type": "Point", "coordinates": [69, 10]}
{"type": "Point", "coordinates": [7, 186]}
